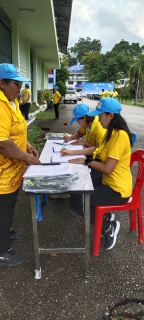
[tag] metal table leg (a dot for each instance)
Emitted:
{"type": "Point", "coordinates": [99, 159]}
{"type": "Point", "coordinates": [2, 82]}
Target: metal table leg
{"type": "Point", "coordinates": [87, 235]}
{"type": "Point", "coordinates": [35, 238]}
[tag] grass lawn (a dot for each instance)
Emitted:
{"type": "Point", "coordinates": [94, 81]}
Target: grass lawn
{"type": "Point", "coordinates": [35, 133]}
{"type": "Point", "coordinates": [132, 103]}
{"type": "Point", "coordinates": [36, 138]}
{"type": "Point", "coordinates": [45, 115]}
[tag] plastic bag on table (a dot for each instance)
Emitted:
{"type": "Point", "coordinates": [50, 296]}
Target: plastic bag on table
{"type": "Point", "coordinates": [77, 180]}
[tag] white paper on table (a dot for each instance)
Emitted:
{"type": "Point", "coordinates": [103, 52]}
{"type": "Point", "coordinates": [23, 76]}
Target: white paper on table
{"type": "Point", "coordinates": [61, 142]}
{"type": "Point", "coordinates": [47, 171]}
{"type": "Point", "coordinates": [70, 147]}
{"type": "Point", "coordinates": [58, 158]}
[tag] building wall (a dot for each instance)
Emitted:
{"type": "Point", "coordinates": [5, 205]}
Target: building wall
{"type": "Point", "coordinates": [76, 80]}
{"type": "Point", "coordinates": [19, 52]}
{"type": "Point", "coordinates": [123, 82]}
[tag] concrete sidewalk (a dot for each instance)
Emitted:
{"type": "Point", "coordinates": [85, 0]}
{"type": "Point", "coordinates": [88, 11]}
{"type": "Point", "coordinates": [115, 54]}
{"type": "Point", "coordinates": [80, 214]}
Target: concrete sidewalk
{"type": "Point", "coordinates": [63, 293]}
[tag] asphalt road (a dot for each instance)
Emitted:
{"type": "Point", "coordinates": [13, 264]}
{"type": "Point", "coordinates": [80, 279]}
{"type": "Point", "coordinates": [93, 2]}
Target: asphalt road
{"type": "Point", "coordinates": [63, 293]}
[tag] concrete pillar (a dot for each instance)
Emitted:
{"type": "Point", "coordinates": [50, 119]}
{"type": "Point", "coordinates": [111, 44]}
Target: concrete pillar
{"type": "Point", "coordinates": [28, 58]}
{"type": "Point", "coordinates": [42, 75]}
{"type": "Point", "coordinates": [15, 44]}
{"type": "Point", "coordinates": [34, 83]}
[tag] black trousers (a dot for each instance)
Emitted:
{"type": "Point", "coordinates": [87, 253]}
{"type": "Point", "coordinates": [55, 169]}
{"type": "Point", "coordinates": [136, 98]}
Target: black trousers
{"type": "Point", "coordinates": [7, 206]}
{"type": "Point", "coordinates": [56, 109]}
{"type": "Point", "coordinates": [26, 108]}
{"type": "Point", "coordinates": [22, 108]}
{"type": "Point", "coordinates": [103, 195]}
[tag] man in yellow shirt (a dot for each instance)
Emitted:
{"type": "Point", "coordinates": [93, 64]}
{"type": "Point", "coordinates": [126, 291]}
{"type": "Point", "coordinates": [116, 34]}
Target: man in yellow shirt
{"type": "Point", "coordinates": [56, 99]}
{"type": "Point", "coordinates": [114, 94]}
{"type": "Point", "coordinates": [102, 94]}
{"type": "Point", "coordinates": [89, 127]}
{"type": "Point", "coordinates": [108, 94]}
{"type": "Point", "coordinates": [25, 97]}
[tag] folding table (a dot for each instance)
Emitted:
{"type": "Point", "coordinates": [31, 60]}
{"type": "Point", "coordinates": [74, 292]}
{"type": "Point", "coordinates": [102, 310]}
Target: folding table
{"type": "Point", "coordinates": [86, 191]}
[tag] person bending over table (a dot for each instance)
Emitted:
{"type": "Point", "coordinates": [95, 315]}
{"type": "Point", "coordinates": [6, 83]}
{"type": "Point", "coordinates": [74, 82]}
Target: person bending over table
{"type": "Point", "coordinates": [89, 126]}
{"type": "Point", "coordinates": [15, 152]}
{"type": "Point", "coordinates": [113, 185]}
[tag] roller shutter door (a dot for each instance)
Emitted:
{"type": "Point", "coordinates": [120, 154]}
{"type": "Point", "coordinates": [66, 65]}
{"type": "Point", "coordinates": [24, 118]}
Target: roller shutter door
{"type": "Point", "coordinates": [5, 44]}
{"type": "Point", "coordinates": [22, 56]}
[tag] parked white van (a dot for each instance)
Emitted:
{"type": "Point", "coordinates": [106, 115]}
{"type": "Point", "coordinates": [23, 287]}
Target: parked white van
{"type": "Point", "coordinates": [70, 96]}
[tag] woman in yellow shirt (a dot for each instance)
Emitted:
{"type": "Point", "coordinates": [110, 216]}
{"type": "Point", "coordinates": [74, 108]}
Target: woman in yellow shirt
{"type": "Point", "coordinates": [114, 183]}
{"type": "Point", "coordinates": [15, 152]}
{"type": "Point", "coordinates": [89, 127]}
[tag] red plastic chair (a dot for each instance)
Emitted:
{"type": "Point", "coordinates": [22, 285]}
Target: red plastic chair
{"type": "Point", "coordinates": [134, 205]}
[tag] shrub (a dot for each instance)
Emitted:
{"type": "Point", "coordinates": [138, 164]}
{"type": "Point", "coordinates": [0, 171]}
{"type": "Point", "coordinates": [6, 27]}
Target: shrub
{"type": "Point", "coordinates": [48, 94]}
{"type": "Point", "coordinates": [41, 97]}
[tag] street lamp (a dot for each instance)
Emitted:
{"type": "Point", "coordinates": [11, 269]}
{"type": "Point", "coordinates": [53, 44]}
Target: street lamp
{"type": "Point", "coordinates": [138, 78]}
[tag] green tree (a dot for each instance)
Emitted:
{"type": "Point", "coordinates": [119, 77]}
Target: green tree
{"type": "Point", "coordinates": [62, 88]}
{"type": "Point", "coordinates": [123, 47]}
{"type": "Point", "coordinates": [137, 76]}
{"type": "Point", "coordinates": [106, 67]}
{"type": "Point", "coordinates": [63, 74]}
{"type": "Point", "coordinates": [71, 59]}
{"type": "Point", "coordinates": [135, 49]}
{"type": "Point", "coordinates": [83, 46]}
{"type": "Point", "coordinates": [91, 62]}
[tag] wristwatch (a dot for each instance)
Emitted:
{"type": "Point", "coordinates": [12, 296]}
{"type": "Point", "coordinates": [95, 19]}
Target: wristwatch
{"type": "Point", "coordinates": [88, 161]}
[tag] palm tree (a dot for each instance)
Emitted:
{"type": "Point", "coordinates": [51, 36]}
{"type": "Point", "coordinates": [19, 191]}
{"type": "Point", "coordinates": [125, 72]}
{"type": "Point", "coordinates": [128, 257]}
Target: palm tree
{"type": "Point", "coordinates": [137, 76]}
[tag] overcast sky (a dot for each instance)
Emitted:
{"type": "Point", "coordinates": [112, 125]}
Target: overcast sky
{"type": "Point", "coordinates": [108, 21]}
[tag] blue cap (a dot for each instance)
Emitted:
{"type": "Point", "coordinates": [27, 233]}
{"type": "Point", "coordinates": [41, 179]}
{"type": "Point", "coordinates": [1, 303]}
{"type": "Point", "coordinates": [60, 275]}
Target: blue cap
{"type": "Point", "coordinates": [55, 87]}
{"type": "Point", "coordinates": [79, 111]}
{"type": "Point", "coordinates": [10, 71]}
{"type": "Point", "coordinates": [27, 85]}
{"type": "Point", "coordinates": [106, 105]}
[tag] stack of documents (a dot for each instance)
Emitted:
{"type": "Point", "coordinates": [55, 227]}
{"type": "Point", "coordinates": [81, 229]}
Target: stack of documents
{"type": "Point", "coordinates": [55, 178]}
{"type": "Point", "coordinates": [54, 135]}
{"type": "Point", "coordinates": [58, 158]}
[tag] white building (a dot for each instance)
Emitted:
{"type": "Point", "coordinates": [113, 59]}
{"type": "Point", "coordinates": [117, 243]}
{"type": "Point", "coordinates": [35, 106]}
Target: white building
{"type": "Point", "coordinates": [123, 82]}
{"type": "Point", "coordinates": [76, 78]}
{"type": "Point", "coordinates": [31, 35]}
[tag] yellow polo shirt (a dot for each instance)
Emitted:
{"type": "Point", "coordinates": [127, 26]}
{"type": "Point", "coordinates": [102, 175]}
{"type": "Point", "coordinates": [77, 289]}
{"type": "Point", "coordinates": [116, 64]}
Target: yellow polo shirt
{"type": "Point", "coordinates": [108, 94]}
{"type": "Point", "coordinates": [14, 127]}
{"type": "Point", "coordinates": [119, 148]}
{"type": "Point", "coordinates": [114, 94]}
{"type": "Point", "coordinates": [102, 94]}
{"type": "Point", "coordinates": [56, 97]}
{"type": "Point", "coordinates": [95, 133]}
{"type": "Point", "coordinates": [25, 95]}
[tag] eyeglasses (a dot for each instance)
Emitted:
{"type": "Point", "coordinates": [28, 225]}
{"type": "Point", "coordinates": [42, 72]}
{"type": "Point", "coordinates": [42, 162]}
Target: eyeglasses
{"type": "Point", "coordinates": [18, 83]}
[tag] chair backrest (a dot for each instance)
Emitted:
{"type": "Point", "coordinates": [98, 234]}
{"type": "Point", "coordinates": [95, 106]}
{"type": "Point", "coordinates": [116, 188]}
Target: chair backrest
{"type": "Point", "coordinates": [138, 156]}
{"type": "Point", "coordinates": [134, 137]}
